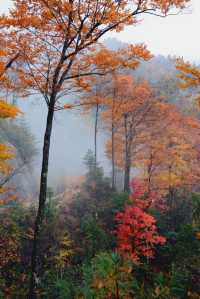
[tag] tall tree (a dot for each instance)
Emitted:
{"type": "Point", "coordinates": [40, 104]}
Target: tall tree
{"type": "Point", "coordinates": [103, 93]}
{"type": "Point", "coordinates": [56, 39]}
{"type": "Point", "coordinates": [134, 105]}
{"type": "Point", "coordinates": [168, 155]}
{"type": "Point", "coordinates": [91, 102]}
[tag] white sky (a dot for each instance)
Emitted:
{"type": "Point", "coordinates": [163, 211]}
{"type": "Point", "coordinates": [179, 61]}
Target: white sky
{"type": "Point", "coordinates": [174, 35]}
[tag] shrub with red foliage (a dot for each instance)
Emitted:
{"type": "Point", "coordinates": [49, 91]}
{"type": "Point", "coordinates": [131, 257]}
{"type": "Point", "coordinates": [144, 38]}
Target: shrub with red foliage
{"type": "Point", "coordinates": [151, 198]}
{"type": "Point", "coordinates": [136, 231]}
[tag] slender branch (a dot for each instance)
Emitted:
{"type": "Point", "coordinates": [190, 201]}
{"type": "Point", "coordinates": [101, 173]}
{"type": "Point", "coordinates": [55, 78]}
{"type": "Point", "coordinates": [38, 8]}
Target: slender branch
{"type": "Point", "coordinates": [9, 64]}
{"type": "Point", "coordinates": [85, 75]}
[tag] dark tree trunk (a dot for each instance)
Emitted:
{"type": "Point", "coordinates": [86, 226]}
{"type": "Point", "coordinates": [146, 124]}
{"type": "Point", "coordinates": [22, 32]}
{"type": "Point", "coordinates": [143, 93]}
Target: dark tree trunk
{"type": "Point", "coordinates": [95, 134]}
{"type": "Point", "coordinates": [42, 201]}
{"type": "Point", "coordinates": [127, 173]}
{"type": "Point", "coordinates": [113, 157]}
{"type": "Point", "coordinates": [149, 171]}
{"type": "Point", "coordinates": [127, 167]}
{"type": "Point", "coordinates": [113, 140]}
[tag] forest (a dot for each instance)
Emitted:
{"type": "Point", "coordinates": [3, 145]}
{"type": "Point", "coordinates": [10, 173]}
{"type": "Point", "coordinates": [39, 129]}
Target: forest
{"type": "Point", "coordinates": [128, 228]}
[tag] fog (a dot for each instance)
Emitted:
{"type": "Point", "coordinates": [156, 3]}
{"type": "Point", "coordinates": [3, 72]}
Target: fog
{"type": "Point", "coordinates": [72, 137]}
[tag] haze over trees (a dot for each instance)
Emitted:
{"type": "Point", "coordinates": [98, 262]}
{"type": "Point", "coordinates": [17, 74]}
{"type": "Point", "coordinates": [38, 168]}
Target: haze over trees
{"type": "Point", "coordinates": [136, 232]}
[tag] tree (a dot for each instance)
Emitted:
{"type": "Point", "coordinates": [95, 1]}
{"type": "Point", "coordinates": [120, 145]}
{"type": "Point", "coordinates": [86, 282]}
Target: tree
{"type": "Point", "coordinates": [56, 40]}
{"type": "Point", "coordinates": [107, 96]}
{"type": "Point", "coordinates": [6, 111]}
{"type": "Point", "coordinates": [93, 102]}
{"type": "Point", "coordinates": [17, 135]}
{"type": "Point", "coordinates": [136, 232]}
{"type": "Point", "coordinates": [163, 144]}
{"type": "Point", "coordinates": [111, 116]}
{"type": "Point", "coordinates": [13, 256]}
{"type": "Point", "coordinates": [107, 276]}
{"type": "Point", "coordinates": [89, 214]}
{"type": "Point", "coordinates": [128, 112]}
{"type": "Point", "coordinates": [10, 255]}
{"type": "Point", "coordinates": [188, 73]}
{"type": "Point", "coordinates": [189, 79]}
{"type": "Point", "coordinates": [168, 155]}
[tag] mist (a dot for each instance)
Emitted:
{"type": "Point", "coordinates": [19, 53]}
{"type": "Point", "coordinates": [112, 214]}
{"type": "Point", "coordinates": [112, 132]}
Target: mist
{"type": "Point", "coordinates": [73, 135]}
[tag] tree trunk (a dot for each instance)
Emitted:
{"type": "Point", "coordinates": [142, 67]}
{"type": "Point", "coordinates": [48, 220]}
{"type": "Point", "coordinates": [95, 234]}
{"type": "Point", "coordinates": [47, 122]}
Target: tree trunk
{"type": "Point", "coordinates": [127, 174]}
{"type": "Point", "coordinates": [95, 134]}
{"type": "Point", "coordinates": [113, 157]}
{"type": "Point", "coordinates": [42, 200]}
{"type": "Point", "coordinates": [127, 167]}
{"type": "Point", "coordinates": [113, 139]}
{"type": "Point", "coordinates": [149, 173]}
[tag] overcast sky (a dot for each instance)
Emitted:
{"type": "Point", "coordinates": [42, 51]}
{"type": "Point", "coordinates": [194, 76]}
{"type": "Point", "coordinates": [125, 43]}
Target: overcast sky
{"type": "Point", "coordinates": [174, 35]}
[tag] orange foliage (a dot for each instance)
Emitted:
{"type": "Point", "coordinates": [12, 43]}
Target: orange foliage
{"type": "Point", "coordinates": [169, 151]}
{"type": "Point", "coordinates": [189, 75]}
{"type": "Point", "coordinates": [162, 143]}
{"type": "Point", "coordinates": [6, 111]}
{"type": "Point", "coordinates": [57, 41]}
{"type": "Point", "coordinates": [132, 101]}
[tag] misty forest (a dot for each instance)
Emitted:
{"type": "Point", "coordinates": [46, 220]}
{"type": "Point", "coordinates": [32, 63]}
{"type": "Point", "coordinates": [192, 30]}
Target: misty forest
{"type": "Point", "coordinates": [99, 154]}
